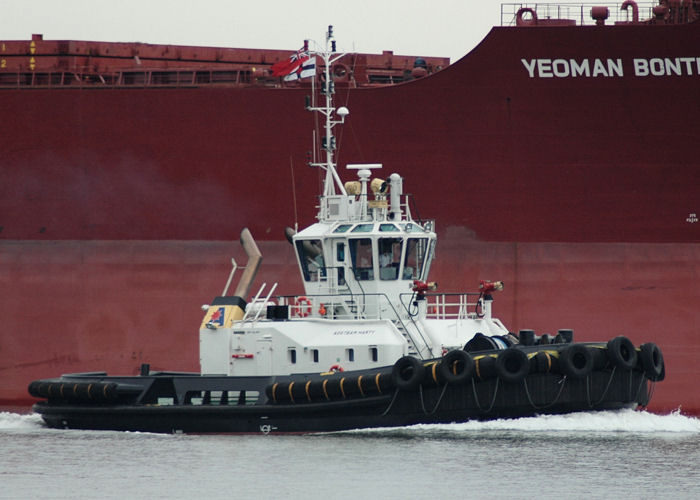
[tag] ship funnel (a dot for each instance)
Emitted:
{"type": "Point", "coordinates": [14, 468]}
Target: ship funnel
{"type": "Point", "coordinates": [251, 268]}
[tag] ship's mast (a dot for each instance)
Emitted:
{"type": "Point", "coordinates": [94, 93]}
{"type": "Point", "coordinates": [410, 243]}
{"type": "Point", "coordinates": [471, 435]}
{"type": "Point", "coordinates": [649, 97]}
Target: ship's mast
{"type": "Point", "coordinates": [332, 117]}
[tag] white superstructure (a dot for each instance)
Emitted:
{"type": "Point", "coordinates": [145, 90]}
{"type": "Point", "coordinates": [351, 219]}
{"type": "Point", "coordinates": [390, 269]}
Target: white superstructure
{"type": "Point", "coordinates": [364, 266]}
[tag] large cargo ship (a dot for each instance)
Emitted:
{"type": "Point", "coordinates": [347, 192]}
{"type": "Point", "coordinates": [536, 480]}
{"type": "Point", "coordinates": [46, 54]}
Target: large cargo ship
{"type": "Point", "coordinates": [564, 147]}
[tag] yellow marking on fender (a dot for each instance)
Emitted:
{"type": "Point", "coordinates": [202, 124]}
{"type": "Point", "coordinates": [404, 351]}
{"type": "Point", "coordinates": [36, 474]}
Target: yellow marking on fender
{"type": "Point", "coordinates": [376, 381]}
{"type": "Point", "coordinates": [435, 372]}
{"type": "Point", "coordinates": [308, 396]}
{"type": "Point", "coordinates": [291, 384]}
{"type": "Point", "coordinates": [342, 390]}
{"type": "Point", "coordinates": [274, 389]}
{"type": "Point", "coordinates": [359, 384]}
{"type": "Point", "coordinates": [325, 382]}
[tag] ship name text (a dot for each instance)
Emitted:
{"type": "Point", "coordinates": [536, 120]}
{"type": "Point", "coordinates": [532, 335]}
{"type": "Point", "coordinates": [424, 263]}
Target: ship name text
{"type": "Point", "coordinates": [611, 68]}
{"type": "Point", "coordinates": [354, 332]}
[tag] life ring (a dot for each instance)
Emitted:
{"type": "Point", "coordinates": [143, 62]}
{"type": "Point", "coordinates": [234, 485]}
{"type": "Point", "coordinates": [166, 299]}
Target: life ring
{"type": "Point", "coordinates": [456, 366]}
{"type": "Point", "coordinates": [652, 361]}
{"type": "Point", "coordinates": [621, 353]}
{"type": "Point", "coordinates": [336, 369]}
{"type": "Point", "coordinates": [407, 373]}
{"type": "Point", "coordinates": [576, 361]}
{"type": "Point", "coordinates": [303, 307]}
{"type": "Point", "coordinates": [512, 365]}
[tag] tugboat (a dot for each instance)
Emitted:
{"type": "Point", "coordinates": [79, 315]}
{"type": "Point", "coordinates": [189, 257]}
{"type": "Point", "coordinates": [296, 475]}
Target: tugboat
{"type": "Point", "coordinates": [369, 344]}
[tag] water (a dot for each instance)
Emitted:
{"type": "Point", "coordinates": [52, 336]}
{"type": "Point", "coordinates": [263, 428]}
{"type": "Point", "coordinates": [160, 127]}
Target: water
{"type": "Point", "coordinates": [623, 454]}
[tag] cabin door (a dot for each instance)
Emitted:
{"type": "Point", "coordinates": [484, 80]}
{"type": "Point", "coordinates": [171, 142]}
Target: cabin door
{"type": "Point", "coordinates": [264, 354]}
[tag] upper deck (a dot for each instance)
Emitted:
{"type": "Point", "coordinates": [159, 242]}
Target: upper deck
{"type": "Point", "coordinates": [39, 63]}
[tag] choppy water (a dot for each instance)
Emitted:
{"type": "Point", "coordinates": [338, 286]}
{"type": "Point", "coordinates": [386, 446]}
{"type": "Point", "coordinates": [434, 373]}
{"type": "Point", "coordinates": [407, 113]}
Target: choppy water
{"type": "Point", "coordinates": [622, 454]}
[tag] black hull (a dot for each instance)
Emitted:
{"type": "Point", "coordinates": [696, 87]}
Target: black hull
{"type": "Point", "coordinates": [536, 394]}
{"type": "Point", "coordinates": [520, 381]}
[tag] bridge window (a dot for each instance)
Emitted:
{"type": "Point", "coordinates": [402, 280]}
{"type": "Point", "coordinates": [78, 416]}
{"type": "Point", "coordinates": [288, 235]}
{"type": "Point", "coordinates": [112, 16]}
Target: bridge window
{"type": "Point", "coordinates": [361, 255]}
{"type": "Point", "coordinates": [363, 228]}
{"type": "Point", "coordinates": [416, 252]}
{"type": "Point", "coordinates": [311, 260]}
{"type": "Point", "coordinates": [389, 258]}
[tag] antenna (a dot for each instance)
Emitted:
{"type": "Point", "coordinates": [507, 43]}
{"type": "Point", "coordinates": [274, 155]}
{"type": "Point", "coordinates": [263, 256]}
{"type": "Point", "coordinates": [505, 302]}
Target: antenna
{"type": "Point", "coordinates": [332, 184]}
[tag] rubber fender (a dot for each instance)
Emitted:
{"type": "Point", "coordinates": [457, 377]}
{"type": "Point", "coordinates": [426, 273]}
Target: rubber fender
{"type": "Point", "coordinates": [383, 382]}
{"type": "Point", "coordinates": [600, 357]}
{"type": "Point", "coordinates": [512, 365]}
{"type": "Point", "coordinates": [371, 385]}
{"type": "Point", "coordinates": [432, 372]}
{"type": "Point", "coordinates": [545, 362]}
{"type": "Point", "coordinates": [484, 367]}
{"type": "Point", "coordinates": [456, 367]}
{"type": "Point", "coordinates": [576, 361]}
{"type": "Point", "coordinates": [351, 388]}
{"type": "Point", "coordinates": [652, 362]}
{"type": "Point", "coordinates": [279, 392]}
{"type": "Point", "coordinates": [35, 389]}
{"type": "Point", "coordinates": [298, 391]}
{"type": "Point", "coordinates": [621, 353]}
{"type": "Point", "coordinates": [408, 373]}
{"type": "Point", "coordinates": [314, 390]}
{"type": "Point", "coordinates": [334, 389]}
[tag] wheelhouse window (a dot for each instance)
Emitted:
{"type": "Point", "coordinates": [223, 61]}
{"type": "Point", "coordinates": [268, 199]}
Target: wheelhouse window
{"type": "Point", "coordinates": [416, 253]}
{"type": "Point", "coordinates": [361, 257]}
{"type": "Point", "coordinates": [389, 258]}
{"type": "Point", "coordinates": [340, 258]}
{"type": "Point", "coordinates": [313, 265]}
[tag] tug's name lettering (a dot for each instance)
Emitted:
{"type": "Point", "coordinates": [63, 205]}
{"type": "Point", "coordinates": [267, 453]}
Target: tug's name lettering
{"type": "Point", "coordinates": [611, 68]}
{"type": "Point", "coordinates": [353, 332]}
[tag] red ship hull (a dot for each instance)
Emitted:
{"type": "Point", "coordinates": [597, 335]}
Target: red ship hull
{"type": "Point", "coordinates": [579, 192]}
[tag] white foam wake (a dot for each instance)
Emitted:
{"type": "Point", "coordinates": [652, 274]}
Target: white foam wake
{"type": "Point", "coordinates": [622, 421]}
{"type": "Point", "coordinates": [10, 420]}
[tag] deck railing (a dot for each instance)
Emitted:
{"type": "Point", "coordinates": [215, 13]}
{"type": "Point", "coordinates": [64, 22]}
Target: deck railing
{"type": "Point", "coordinates": [578, 12]}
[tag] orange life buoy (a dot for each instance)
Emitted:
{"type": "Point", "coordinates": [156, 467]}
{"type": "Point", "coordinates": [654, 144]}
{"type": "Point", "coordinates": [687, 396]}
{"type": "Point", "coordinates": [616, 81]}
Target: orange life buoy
{"type": "Point", "coordinates": [303, 307]}
{"type": "Point", "coordinates": [335, 368]}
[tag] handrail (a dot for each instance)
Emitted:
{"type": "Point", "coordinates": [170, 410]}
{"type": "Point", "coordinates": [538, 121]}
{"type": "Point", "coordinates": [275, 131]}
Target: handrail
{"type": "Point", "coordinates": [333, 300]}
{"type": "Point", "coordinates": [576, 11]}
